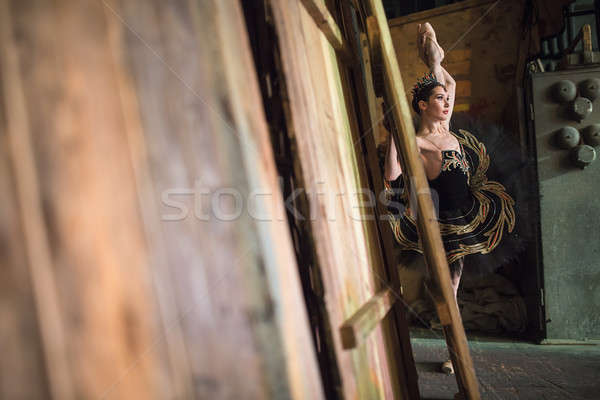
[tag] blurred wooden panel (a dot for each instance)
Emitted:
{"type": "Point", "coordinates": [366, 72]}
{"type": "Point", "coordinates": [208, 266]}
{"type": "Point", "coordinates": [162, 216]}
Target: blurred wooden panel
{"type": "Point", "coordinates": [135, 137]}
{"type": "Point", "coordinates": [75, 170]}
{"type": "Point", "coordinates": [22, 373]}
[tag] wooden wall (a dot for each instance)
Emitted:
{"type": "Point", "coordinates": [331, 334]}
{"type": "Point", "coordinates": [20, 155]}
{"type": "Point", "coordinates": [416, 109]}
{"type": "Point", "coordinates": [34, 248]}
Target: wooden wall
{"type": "Point", "coordinates": [480, 39]}
{"type": "Point", "coordinates": [113, 113]}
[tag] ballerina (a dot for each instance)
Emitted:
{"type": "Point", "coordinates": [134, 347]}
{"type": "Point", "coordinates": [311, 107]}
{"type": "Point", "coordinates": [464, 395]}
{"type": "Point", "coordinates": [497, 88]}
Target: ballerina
{"type": "Point", "coordinates": [473, 212]}
{"type": "Point", "coordinates": [434, 102]}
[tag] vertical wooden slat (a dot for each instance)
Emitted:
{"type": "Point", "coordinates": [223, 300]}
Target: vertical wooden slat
{"type": "Point", "coordinates": [89, 205]}
{"type": "Point", "coordinates": [397, 324]}
{"type": "Point", "coordinates": [22, 370]}
{"type": "Point", "coordinates": [385, 339]}
{"type": "Point", "coordinates": [429, 233]}
{"type": "Point", "coordinates": [282, 272]}
{"type": "Point", "coordinates": [34, 228]}
{"type": "Point", "coordinates": [346, 246]}
{"type": "Point", "coordinates": [179, 382]}
{"type": "Point", "coordinates": [192, 145]}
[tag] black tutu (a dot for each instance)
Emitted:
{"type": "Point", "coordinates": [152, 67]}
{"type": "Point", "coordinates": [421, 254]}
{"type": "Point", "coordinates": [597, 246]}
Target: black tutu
{"type": "Point", "coordinates": [476, 215]}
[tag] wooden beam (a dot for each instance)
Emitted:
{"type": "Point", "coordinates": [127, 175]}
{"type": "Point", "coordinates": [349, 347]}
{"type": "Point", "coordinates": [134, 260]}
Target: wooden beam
{"type": "Point", "coordinates": [370, 98]}
{"type": "Point", "coordinates": [434, 12]}
{"type": "Point", "coordinates": [355, 329]}
{"type": "Point", "coordinates": [289, 340]}
{"type": "Point", "coordinates": [428, 227]}
{"type": "Point", "coordinates": [370, 109]}
{"type": "Point", "coordinates": [346, 255]}
{"type": "Point", "coordinates": [395, 326]}
{"type": "Point", "coordinates": [376, 62]}
{"type": "Point", "coordinates": [326, 23]}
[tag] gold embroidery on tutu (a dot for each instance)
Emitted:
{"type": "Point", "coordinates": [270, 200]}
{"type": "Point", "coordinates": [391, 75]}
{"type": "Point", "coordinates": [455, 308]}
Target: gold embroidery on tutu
{"type": "Point", "coordinates": [480, 188]}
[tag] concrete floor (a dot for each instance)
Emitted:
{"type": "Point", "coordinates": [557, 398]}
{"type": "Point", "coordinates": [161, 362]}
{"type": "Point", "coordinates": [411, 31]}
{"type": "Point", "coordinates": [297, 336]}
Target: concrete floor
{"type": "Point", "coordinates": [512, 370]}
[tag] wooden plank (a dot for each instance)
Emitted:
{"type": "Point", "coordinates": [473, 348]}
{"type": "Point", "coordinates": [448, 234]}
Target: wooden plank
{"type": "Point", "coordinates": [296, 357]}
{"type": "Point", "coordinates": [138, 147]}
{"type": "Point", "coordinates": [326, 23]}
{"type": "Point", "coordinates": [23, 365]}
{"type": "Point", "coordinates": [371, 100]}
{"type": "Point", "coordinates": [385, 335]}
{"type": "Point", "coordinates": [346, 250]}
{"type": "Point", "coordinates": [428, 227]}
{"type": "Point", "coordinates": [391, 336]}
{"type": "Point", "coordinates": [35, 235]}
{"type": "Point", "coordinates": [376, 62]}
{"type": "Point", "coordinates": [235, 281]}
{"type": "Point", "coordinates": [396, 325]}
{"type": "Point", "coordinates": [82, 155]}
{"type": "Point", "coordinates": [360, 325]}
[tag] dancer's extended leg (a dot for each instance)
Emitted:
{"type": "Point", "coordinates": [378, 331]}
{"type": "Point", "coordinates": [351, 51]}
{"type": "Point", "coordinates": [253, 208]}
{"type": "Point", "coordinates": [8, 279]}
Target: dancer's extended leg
{"type": "Point", "coordinates": [429, 49]}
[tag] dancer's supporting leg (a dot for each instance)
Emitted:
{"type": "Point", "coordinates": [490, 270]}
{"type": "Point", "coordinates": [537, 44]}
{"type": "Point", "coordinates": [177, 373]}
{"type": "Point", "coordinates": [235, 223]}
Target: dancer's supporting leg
{"type": "Point", "coordinates": [455, 273]}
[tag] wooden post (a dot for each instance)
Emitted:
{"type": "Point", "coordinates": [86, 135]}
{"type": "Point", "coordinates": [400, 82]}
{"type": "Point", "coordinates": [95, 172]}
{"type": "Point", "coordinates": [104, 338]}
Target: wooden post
{"type": "Point", "coordinates": [428, 227]}
{"type": "Point", "coordinates": [367, 107]}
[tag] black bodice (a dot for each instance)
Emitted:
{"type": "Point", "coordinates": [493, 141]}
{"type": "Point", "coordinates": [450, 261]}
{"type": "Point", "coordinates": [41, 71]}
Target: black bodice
{"type": "Point", "coordinates": [452, 184]}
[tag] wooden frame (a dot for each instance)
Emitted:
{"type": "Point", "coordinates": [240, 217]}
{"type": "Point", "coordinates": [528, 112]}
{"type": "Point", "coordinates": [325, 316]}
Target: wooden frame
{"type": "Point", "coordinates": [325, 21]}
{"type": "Point", "coordinates": [428, 227]}
{"type": "Point", "coordinates": [367, 87]}
{"type": "Point", "coordinates": [322, 94]}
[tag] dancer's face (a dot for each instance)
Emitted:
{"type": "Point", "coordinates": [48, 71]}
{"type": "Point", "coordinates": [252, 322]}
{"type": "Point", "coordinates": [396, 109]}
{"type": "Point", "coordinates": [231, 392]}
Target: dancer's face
{"type": "Point", "coordinates": [438, 106]}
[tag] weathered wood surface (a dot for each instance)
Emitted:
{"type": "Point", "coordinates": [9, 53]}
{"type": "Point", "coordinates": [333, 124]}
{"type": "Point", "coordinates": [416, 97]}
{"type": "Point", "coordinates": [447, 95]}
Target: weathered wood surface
{"type": "Point", "coordinates": [433, 248]}
{"type": "Point", "coordinates": [27, 280]}
{"type": "Point", "coordinates": [327, 24]}
{"type": "Point", "coordinates": [437, 11]}
{"type": "Point", "coordinates": [372, 121]}
{"type": "Point", "coordinates": [333, 169]}
{"type": "Point", "coordinates": [117, 119]}
{"type": "Point", "coordinates": [358, 327]}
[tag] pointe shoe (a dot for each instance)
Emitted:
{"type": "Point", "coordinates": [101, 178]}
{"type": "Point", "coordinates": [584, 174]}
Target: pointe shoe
{"type": "Point", "coordinates": [448, 368]}
{"type": "Point", "coordinates": [429, 49]}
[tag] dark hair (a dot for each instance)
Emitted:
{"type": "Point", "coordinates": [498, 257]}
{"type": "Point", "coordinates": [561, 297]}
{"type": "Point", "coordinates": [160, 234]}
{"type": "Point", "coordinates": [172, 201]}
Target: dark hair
{"type": "Point", "coordinates": [423, 93]}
